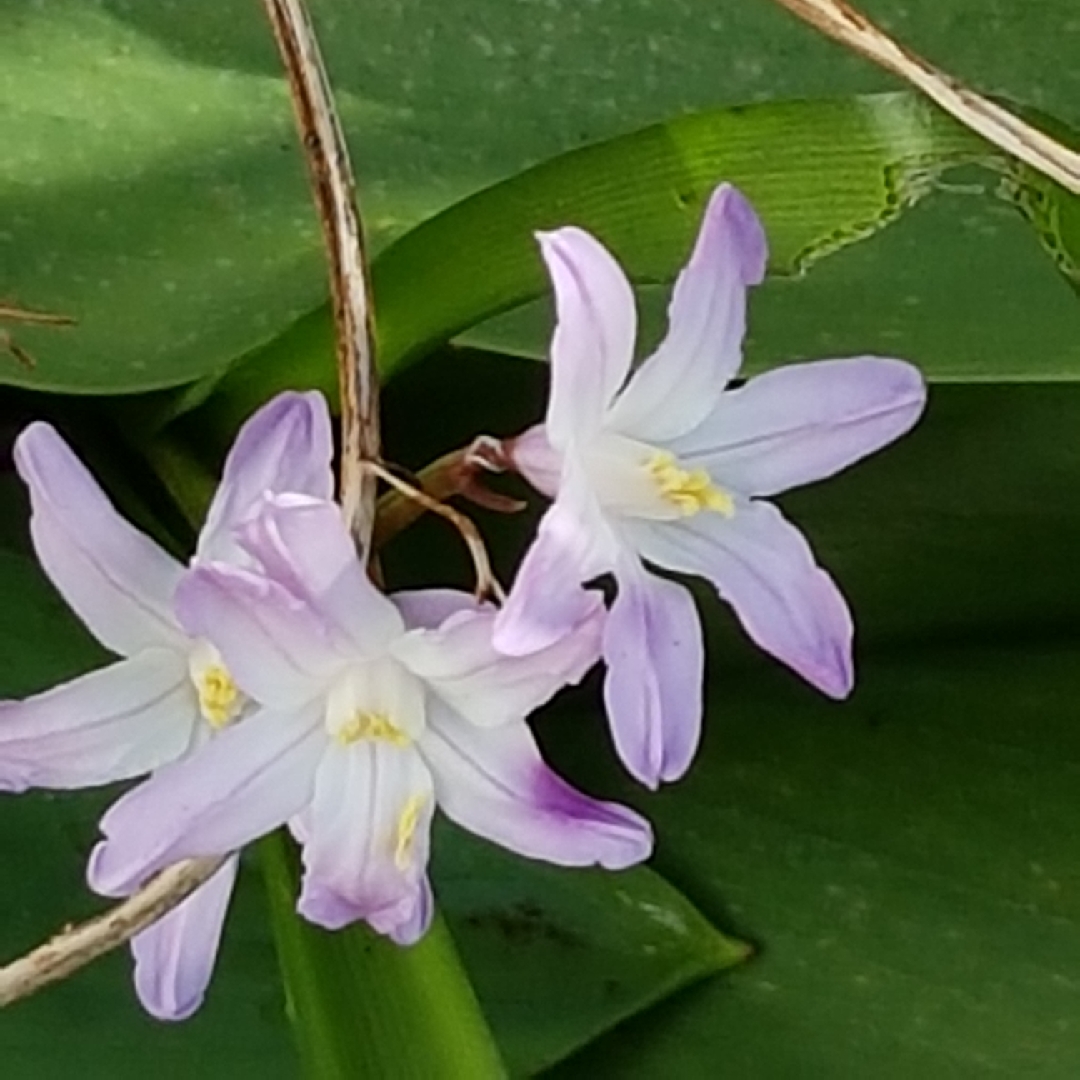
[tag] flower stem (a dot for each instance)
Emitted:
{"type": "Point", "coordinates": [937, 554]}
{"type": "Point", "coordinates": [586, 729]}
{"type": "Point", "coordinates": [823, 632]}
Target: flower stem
{"type": "Point", "coordinates": [334, 190]}
{"type": "Point", "coordinates": [363, 1006]}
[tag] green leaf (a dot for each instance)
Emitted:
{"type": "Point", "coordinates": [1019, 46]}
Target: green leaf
{"type": "Point", "coordinates": [822, 174]}
{"type": "Point", "coordinates": [629, 938]}
{"type": "Point", "coordinates": [908, 862]}
{"type": "Point", "coordinates": [151, 185]}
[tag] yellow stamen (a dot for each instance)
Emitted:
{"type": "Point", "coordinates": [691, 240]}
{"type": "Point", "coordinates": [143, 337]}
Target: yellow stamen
{"type": "Point", "coordinates": [406, 831]}
{"type": "Point", "coordinates": [363, 725]}
{"type": "Point", "coordinates": [689, 492]}
{"type": "Point", "coordinates": [219, 697]}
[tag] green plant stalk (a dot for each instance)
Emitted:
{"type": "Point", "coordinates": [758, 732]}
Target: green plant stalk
{"type": "Point", "coordinates": [363, 1006]}
{"type": "Point", "coordinates": [359, 1005]}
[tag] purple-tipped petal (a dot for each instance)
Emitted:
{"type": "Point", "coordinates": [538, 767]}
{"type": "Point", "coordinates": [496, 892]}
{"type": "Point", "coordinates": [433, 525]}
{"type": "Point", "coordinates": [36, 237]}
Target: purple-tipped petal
{"type": "Point", "coordinates": [113, 724]}
{"type": "Point", "coordinates": [493, 782]}
{"type": "Point", "coordinates": [594, 335]}
{"type": "Point", "coordinates": [410, 930]}
{"type": "Point", "coordinates": [248, 780]}
{"type": "Point", "coordinates": [574, 543]}
{"type": "Point", "coordinates": [118, 581]}
{"type": "Point", "coordinates": [804, 422]}
{"type": "Point", "coordinates": [460, 663]}
{"type": "Point", "coordinates": [764, 568]}
{"type": "Point", "coordinates": [367, 834]}
{"type": "Point", "coordinates": [655, 658]}
{"type": "Point", "coordinates": [286, 446]}
{"type": "Point", "coordinates": [174, 957]}
{"type": "Point", "coordinates": [677, 387]}
{"type": "Point", "coordinates": [276, 648]}
{"type": "Point", "coordinates": [303, 544]}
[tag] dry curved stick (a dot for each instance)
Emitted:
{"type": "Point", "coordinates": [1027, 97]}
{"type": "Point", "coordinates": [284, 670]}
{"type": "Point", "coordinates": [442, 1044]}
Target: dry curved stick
{"type": "Point", "coordinates": [843, 23]}
{"type": "Point", "coordinates": [456, 473]}
{"type": "Point", "coordinates": [350, 284]}
{"type": "Point", "coordinates": [486, 582]}
{"type": "Point", "coordinates": [77, 946]}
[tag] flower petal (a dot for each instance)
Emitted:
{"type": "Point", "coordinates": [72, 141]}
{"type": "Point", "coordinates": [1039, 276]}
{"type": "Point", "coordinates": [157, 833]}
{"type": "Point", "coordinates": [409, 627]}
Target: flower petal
{"type": "Point", "coordinates": [764, 568]}
{"type": "Point", "coordinates": [111, 724]}
{"type": "Point", "coordinates": [494, 783]}
{"type": "Point", "coordinates": [276, 648]}
{"type": "Point", "coordinates": [677, 387]}
{"type": "Point", "coordinates": [460, 663]}
{"type": "Point", "coordinates": [303, 544]}
{"type": "Point", "coordinates": [286, 446]}
{"type": "Point", "coordinates": [574, 543]}
{"type": "Point", "coordinates": [248, 780]}
{"type": "Point", "coordinates": [118, 581]}
{"type": "Point", "coordinates": [536, 459]}
{"type": "Point", "coordinates": [655, 658]}
{"type": "Point", "coordinates": [804, 422]}
{"type": "Point", "coordinates": [428, 609]}
{"type": "Point", "coordinates": [594, 335]}
{"type": "Point", "coordinates": [367, 837]}
{"type": "Point", "coordinates": [174, 957]}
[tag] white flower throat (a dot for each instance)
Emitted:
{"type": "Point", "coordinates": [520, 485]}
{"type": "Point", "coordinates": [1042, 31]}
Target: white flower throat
{"type": "Point", "coordinates": [640, 480]}
{"type": "Point", "coordinates": [379, 701]}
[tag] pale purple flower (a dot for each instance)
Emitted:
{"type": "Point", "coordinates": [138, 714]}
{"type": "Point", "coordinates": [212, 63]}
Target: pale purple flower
{"type": "Point", "coordinates": [170, 691]}
{"type": "Point", "coordinates": [666, 465]}
{"type": "Point", "coordinates": [376, 710]}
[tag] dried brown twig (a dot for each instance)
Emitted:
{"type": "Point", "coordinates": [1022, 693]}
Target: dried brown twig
{"type": "Point", "coordinates": [994, 123]}
{"type": "Point", "coordinates": [74, 948]}
{"type": "Point", "coordinates": [456, 473]}
{"type": "Point", "coordinates": [335, 197]}
{"type": "Point", "coordinates": [486, 582]}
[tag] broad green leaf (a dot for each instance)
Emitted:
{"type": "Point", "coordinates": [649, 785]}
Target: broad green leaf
{"type": "Point", "coordinates": [822, 174]}
{"type": "Point", "coordinates": [1054, 216]}
{"type": "Point", "coordinates": [156, 194]}
{"type": "Point", "coordinates": [907, 863]}
{"type": "Point", "coordinates": [151, 187]}
{"type": "Point", "coordinates": [629, 939]}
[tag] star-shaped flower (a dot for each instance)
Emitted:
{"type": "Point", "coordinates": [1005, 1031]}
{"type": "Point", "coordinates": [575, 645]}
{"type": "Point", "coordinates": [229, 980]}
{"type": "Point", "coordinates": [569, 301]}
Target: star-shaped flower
{"type": "Point", "coordinates": [669, 465]}
{"type": "Point", "coordinates": [170, 692]}
{"type": "Point", "coordinates": [376, 710]}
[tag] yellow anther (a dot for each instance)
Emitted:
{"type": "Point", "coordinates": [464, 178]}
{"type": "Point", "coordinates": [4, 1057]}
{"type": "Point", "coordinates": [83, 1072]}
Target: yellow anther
{"type": "Point", "coordinates": [363, 725]}
{"type": "Point", "coordinates": [408, 820]}
{"type": "Point", "coordinates": [219, 697]}
{"type": "Point", "coordinates": [689, 492]}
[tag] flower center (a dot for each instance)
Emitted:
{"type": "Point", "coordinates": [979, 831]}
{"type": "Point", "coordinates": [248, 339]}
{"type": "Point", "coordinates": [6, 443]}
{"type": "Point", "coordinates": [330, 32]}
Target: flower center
{"type": "Point", "coordinates": [688, 491]}
{"type": "Point", "coordinates": [220, 699]}
{"type": "Point", "coordinates": [370, 725]}
{"type": "Point", "coordinates": [407, 824]}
